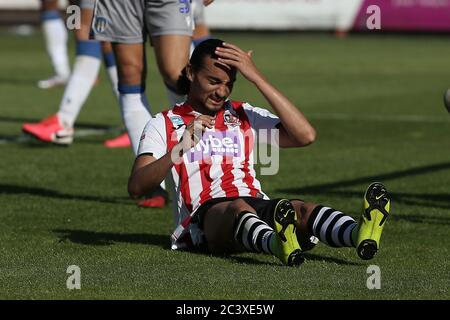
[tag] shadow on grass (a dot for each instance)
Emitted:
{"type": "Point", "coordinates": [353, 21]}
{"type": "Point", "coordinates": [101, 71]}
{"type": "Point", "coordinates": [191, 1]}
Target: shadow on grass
{"type": "Point", "coordinates": [94, 238]}
{"type": "Point", "coordinates": [248, 260]}
{"type": "Point", "coordinates": [315, 257]}
{"type": "Point", "coordinates": [405, 198]}
{"type": "Point", "coordinates": [108, 238]}
{"type": "Point", "coordinates": [369, 179]}
{"type": "Point", "coordinates": [48, 193]}
{"type": "Point", "coordinates": [308, 257]}
{"type": "Point", "coordinates": [431, 200]}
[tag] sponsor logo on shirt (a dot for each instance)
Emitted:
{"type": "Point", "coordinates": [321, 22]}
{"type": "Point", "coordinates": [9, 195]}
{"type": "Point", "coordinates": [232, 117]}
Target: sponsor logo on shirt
{"type": "Point", "coordinates": [216, 143]}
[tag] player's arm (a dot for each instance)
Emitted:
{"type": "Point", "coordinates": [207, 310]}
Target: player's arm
{"type": "Point", "coordinates": [148, 172]}
{"type": "Point", "coordinates": [295, 129]}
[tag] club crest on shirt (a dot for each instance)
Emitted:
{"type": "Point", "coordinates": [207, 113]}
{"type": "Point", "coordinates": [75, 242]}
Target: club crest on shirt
{"type": "Point", "coordinates": [177, 121]}
{"type": "Point", "coordinates": [100, 24]}
{"type": "Point", "coordinates": [230, 118]}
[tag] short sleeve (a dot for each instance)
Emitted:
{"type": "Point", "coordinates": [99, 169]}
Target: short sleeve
{"type": "Point", "coordinates": [264, 123]}
{"type": "Point", "coordinates": [260, 118]}
{"type": "Point", "coordinates": [153, 138]}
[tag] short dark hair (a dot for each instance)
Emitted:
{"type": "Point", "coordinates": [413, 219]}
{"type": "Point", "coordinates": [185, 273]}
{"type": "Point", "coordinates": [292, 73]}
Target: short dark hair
{"type": "Point", "coordinates": [205, 48]}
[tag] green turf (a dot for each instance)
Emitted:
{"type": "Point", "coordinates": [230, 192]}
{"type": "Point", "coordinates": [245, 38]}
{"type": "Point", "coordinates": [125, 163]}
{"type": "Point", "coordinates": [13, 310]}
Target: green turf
{"type": "Point", "coordinates": [376, 102]}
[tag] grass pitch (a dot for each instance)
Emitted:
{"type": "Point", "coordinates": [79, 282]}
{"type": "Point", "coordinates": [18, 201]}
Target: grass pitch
{"type": "Point", "coordinates": [376, 102]}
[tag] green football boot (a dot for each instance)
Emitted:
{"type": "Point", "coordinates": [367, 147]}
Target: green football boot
{"type": "Point", "coordinates": [285, 244]}
{"type": "Point", "coordinates": [376, 210]}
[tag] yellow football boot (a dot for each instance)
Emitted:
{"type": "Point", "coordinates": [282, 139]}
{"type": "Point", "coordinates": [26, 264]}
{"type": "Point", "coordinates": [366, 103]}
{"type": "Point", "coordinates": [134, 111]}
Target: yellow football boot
{"type": "Point", "coordinates": [376, 210]}
{"type": "Point", "coordinates": [285, 244]}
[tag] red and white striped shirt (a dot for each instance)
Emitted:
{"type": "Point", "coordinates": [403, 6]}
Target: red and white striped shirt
{"type": "Point", "coordinates": [221, 164]}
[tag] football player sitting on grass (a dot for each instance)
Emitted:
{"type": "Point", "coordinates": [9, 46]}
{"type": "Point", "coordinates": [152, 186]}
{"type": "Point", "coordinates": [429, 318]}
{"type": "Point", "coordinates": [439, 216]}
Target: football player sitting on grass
{"type": "Point", "coordinates": [207, 146]}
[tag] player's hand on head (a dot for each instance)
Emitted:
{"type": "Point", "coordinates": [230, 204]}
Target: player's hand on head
{"type": "Point", "coordinates": [234, 56]}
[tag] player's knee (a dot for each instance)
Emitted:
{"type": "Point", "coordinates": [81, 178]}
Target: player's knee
{"type": "Point", "coordinates": [82, 34]}
{"type": "Point", "coordinates": [171, 76]}
{"type": "Point", "coordinates": [303, 232]}
{"type": "Point", "coordinates": [131, 73]}
{"type": "Point", "coordinates": [307, 208]}
{"type": "Point", "coordinates": [303, 210]}
{"type": "Point", "coordinates": [298, 204]}
{"type": "Point", "coordinates": [237, 206]}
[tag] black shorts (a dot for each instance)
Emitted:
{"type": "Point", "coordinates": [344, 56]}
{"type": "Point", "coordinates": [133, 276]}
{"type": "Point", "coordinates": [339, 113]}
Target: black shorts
{"type": "Point", "coordinates": [264, 208]}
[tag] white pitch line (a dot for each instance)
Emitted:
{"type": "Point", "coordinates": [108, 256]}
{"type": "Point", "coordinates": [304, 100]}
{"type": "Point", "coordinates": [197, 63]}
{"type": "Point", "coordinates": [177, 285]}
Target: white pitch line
{"type": "Point", "coordinates": [319, 116]}
{"type": "Point", "coordinates": [17, 139]}
{"type": "Point", "coordinates": [378, 117]}
{"type": "Point", "coordinates": [94, 132]}
{"type": "Point", "coordinates": [78, 133]}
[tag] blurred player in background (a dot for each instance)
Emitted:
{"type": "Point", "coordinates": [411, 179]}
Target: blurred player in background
{"type": "Point", "coordinates": [58, 128]}
{"type": "Point", "coordinates": [201, 30]}
{"type": "Point", "coordinates": [127, 24]}
{"type": "Point", "coordinates": [201, 33]}
{"type": "Point", "coordinates": [219, 188]}
{"type": "Point", "coordinates": [55, 35]}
